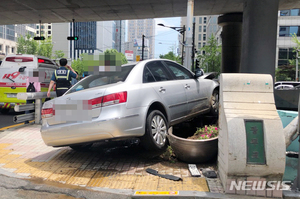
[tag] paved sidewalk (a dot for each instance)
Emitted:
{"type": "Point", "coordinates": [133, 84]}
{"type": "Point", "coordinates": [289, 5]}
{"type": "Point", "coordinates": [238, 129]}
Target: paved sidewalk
{"type": "Point", "coordinates": [113, 167]}
{"type": "Point", "coordinates": [23, 152]}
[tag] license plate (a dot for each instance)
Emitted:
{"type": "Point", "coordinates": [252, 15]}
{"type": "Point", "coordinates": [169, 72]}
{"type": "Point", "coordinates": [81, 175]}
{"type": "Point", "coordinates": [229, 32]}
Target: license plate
{"type": "Point", "coordinates": [11, 95]}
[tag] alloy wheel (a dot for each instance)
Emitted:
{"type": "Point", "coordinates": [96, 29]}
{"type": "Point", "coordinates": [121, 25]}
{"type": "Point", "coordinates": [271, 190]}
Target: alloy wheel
{"type": "Point", "coordinates": [159, 130]}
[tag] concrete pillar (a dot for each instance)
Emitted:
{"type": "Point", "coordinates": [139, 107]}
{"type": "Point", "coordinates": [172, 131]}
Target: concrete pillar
{"type": "Point", "coordinates": [259, 36]}
{"type": "Point", "coordinates": [231, 41]}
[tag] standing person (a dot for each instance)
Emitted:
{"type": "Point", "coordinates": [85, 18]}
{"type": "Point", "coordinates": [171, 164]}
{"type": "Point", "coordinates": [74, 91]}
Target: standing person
{"type": "Point", "coordinates": [62, 78]}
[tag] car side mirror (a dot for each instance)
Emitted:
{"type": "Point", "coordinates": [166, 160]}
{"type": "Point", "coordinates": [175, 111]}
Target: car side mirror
{"type": "Point", "coordinates": [22, 69]}
{"type": "Point", "coordinates": [199, 72]}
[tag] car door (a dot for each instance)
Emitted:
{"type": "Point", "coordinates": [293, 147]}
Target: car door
{"type": "Point", "coordinates": [196, 91]}
{"type": "Point", "coordinates": [170, 91]}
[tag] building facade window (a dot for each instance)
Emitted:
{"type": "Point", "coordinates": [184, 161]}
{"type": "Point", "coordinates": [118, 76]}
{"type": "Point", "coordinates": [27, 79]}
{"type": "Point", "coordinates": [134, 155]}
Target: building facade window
{"type": "Point", "coordinates": [199, 45]}
{"type": "Point", "coordinates": [49, 27]}
{"type": "Point", "coordinates": [199, 37]}
{"type": "Point", "coordinates": [200, 20]}
{"type": "Point", "coordinates": [10, 32]}
{"type": "Point", "coordinates": [12, 50]}
{"type": "Point", "coordinates": [49, 32]}
{"type": "Point", "coordinates": [204, 37]}
{"type": "Point", "coordinates": [284, 55]}
{"type": "Point", "coordinates": [1, 32]}
{"type": "Point", "coordinates": [204, 44]}
{"type": "Point", "coordinates": [288, 31]}
{"type": "Point", "coordinates": [37, 32]}
{"type": "Point", "coordinates": [200, 28]}
{"type": "Point", "coordinates": [204, 28]}
{"type": "Point", "coordinates": [292, 12]}
{"type": "Point", "coordinates": [204, 20]}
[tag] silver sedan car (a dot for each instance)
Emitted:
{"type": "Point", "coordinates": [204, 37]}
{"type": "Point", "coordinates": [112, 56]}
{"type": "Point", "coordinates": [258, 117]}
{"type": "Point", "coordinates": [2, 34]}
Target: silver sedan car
{"type": "Point", "coordinates": [140, 100]}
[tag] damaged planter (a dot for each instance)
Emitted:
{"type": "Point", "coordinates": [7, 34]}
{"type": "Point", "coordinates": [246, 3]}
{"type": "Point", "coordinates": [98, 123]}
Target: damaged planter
{"type": "Point", "coordinates": [193, 151]}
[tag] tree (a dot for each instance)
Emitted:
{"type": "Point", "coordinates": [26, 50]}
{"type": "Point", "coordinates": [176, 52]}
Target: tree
{"type": "Point", "coordinates": [45, 48]}
{"type": "Point", "coordinates": [114, 51]}
{"type": "Point", "coordinates": [285, 73]}
{"type": "Point", "coordinates": [288, 72]}
{"type": "Point", "coordinates": [26, 45]}
{"type": "Point", "coordinates": [211, 59]}
{"type": "Point", "coordinates": [77, 65]}
{"type": "Point", "coordinates": [59, 54]}
{"type": "Point", "coordinates": [171, 56]}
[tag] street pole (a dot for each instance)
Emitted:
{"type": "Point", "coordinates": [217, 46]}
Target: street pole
{"type": "Point", "coordinates": [143, 46]}
{"type": "Point", "coordinates": [182, 50]}
{"type": "Point", "coordinates": [297, 79]}
{"type": "Point", "coordinates": [193, 49]}
{"type": "Point", "coordinates": [189, 35]}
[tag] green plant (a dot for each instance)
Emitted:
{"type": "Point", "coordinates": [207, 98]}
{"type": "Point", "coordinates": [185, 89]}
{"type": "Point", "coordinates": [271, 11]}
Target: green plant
{"type": "Point", "coordinates": [169, 155]}
{"type": "Point", "coordinates": [207, 132]}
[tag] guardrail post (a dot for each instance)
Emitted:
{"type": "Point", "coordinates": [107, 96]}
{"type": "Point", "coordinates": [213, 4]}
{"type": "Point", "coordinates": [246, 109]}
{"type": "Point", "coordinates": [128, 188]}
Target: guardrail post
{"type": "Point", "coordinates": [38, 108]}
{"type": "Point", "coordinates": [37, 96]}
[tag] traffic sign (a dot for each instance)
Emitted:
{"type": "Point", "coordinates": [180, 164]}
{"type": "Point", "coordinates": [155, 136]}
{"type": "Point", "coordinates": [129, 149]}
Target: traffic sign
{"type": "Point", "coordinates": [138, 57]}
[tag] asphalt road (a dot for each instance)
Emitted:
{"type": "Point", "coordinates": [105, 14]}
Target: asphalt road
{"type": "Point", "coordinates": [7, 119]}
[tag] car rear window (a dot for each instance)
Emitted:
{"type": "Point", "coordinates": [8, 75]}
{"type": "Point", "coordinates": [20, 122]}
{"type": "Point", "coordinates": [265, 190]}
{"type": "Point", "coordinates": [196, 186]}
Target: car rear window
{"type": "Point", "coordinates": [104, 78]}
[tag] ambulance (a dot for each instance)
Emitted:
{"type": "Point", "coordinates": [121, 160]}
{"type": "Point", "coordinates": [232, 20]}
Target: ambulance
{"type": "Point", "coordinates": [16, 71]}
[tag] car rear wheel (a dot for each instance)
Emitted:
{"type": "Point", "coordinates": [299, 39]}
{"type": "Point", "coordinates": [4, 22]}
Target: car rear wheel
{"type": "Point", "coordinates": [214, 103]}
{"type": "Point", "coordinates": [81, 147]}
{"type": "Point", "coordinates": [155, 138]}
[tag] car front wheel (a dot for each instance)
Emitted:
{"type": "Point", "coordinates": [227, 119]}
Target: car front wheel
{"type": "Point", "coordinates": [155, 138]}
{"type": "Point", "coordinates": [214, 102]}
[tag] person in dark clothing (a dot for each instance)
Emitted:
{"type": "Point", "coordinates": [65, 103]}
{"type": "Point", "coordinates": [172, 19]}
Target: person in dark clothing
{"type": "Point", "coordinates": [62, 77]}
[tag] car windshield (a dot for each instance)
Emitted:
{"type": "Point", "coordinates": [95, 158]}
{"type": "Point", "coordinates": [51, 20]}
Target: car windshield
{"type": "Point", "coordinates": [103, 78]}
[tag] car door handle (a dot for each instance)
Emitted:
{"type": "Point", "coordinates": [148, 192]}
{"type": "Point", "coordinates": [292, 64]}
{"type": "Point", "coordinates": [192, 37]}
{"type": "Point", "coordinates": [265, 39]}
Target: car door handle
{"type": "Point", "coordinates": [162, 89]}
{"type": "Point", "coordinates": [187, 86]}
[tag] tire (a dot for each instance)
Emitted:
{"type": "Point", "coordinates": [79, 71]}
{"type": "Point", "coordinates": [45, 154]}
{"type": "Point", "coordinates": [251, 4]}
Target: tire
{"type": "Point", "coordinates": [4, 110]}
{"type": "Point", "coordinates": [214, 103]}
{"type": "Point", "coordinates": [155, 138]}
{"type": "Point", "coordinates": [81, 147]}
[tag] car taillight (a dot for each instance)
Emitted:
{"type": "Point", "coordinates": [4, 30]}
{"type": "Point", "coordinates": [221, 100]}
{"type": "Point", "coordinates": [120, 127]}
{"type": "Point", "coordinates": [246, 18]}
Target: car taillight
{"type": "Point", "coordinates": [48, 110]}
{"type": "Point", "coordinates": [111, 99]}
{"type": "Point", "coordinates": [95, 103]}
{"type": "Point", "coordinates": [115, 98]}
{"type": "Point", "coordinates": [41, 61]}
{"type": "Point", "coordinates": [19, 59]}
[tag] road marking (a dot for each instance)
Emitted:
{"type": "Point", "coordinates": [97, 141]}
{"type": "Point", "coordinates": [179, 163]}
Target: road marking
{"type": "Point", "coordinates": [15, 125]}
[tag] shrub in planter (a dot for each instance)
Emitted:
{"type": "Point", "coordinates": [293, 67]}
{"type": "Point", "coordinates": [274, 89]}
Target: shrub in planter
{"type": "Point", "coordinates": [199, 148]}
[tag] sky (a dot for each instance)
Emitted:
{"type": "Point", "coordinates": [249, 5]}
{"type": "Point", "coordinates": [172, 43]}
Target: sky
{"type": "Point", "coordinates": [166, 38]}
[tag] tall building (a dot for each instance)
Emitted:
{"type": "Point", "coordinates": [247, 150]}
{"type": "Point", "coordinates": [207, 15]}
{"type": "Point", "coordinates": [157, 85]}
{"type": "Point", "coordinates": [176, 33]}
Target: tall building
{"type": "Point", "coordinates": [138, 28]}
{"type": "Point", "coordinates": [94, 37]}
{"type": "Point", "coordinates": [44, 29]}
{"type": "Point", "coordinates": [213, 28]}
{"type": "Point", "coordinates": [9, 35]}
{"type": "Point", "coordinates": [205, 26]}
{"type": "Point", "coordinates": [120, 35]}
{"type": "Point", "coordinates": [288, 24]}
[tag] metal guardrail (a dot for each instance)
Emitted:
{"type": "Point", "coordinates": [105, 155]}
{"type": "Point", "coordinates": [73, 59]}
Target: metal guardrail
{"type": "Point", "coordinates": [37, 106]}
